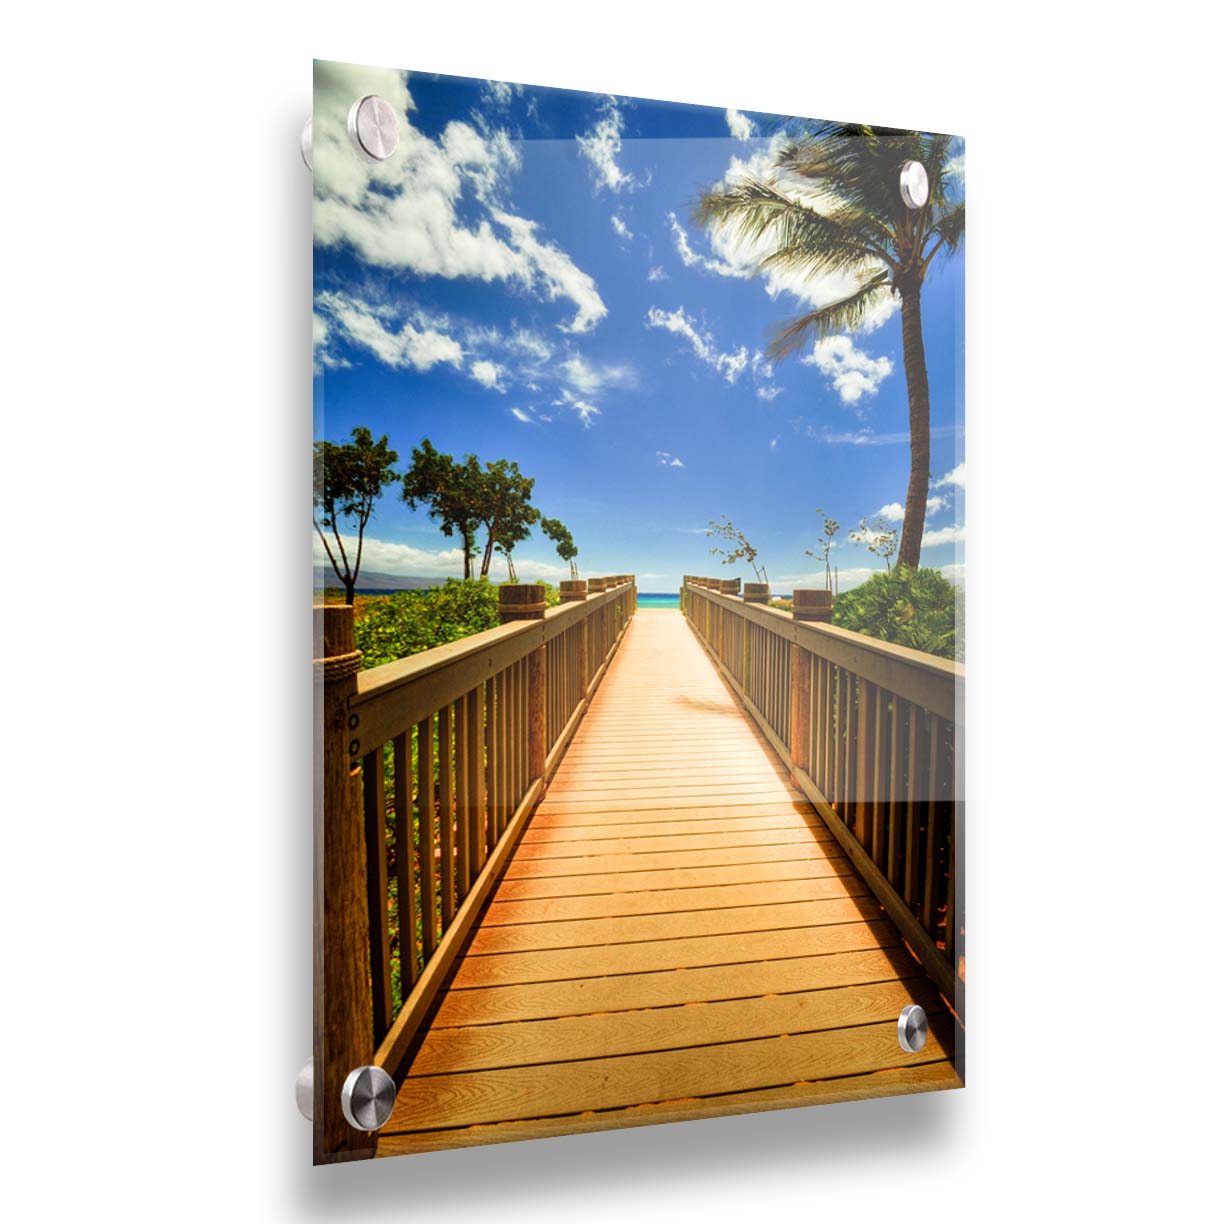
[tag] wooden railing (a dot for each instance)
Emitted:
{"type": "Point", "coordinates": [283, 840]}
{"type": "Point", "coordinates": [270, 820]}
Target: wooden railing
{"type": "Point", "coordinates": [869, 731]}
{"type": "Point", "coordinates": [430, 768]}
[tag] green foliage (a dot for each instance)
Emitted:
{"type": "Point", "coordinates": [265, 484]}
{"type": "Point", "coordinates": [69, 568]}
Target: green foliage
{"type": "Point", "coordinates": [918, 608]}
{"type": "Point", "coordinates": [406, 622]}
{"type": "Point", "coordinates": [879, 538]}
{"type": "Point", "coordinates": [348, 480]}
{"type": "Point", "coordinates": [563, 538]}
{"type": "Point", "coordinates": [449, 490]}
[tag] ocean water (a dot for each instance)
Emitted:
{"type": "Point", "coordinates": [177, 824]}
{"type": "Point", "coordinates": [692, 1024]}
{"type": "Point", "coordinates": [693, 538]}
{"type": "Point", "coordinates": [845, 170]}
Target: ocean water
{"type": "Point", "coordinates": [648, 599]}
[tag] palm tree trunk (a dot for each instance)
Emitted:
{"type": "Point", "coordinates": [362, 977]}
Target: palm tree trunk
{"type": "Point", "coordinates": [920, 427]}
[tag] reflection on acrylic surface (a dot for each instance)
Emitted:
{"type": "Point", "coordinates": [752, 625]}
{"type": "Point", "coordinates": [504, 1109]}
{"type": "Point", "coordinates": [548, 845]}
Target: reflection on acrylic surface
{"type": "Point", "coordinates": [638, 515]}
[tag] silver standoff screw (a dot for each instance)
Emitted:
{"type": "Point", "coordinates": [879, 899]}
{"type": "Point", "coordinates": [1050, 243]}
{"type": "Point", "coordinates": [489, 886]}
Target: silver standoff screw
{"type": "Point", "coordinates": [303, 1090]}
{"type": "Point", "coordinates": [915, 188]}
{"type": "Point", "coordinates": [367, 1098]}
{"type": "Point", "coordinates": [307, 142]}
{"type": "Point", "coordinates": [373, 128]}
{"type": "Point", "coordinates": [912, 1028]}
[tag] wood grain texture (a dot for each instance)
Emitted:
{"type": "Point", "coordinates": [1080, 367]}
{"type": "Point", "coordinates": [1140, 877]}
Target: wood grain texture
{"type": "Point", "coordinates": [677, 934]}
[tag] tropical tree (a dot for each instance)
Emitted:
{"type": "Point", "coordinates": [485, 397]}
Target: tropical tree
{"type": "Point", "coordinates": [503, 506]}
{"type": "Point", "coordinates": [880, 539]}
{"type": "Point", "coordinates": [450, 490]}
{"type": "Point", "coordinates": [830, 528]}
{"type": "Point", "coordinates": [834, 207]}
{"type": "Point", "coordinates": [735, 547]}
{"type": "Point", "coordinates": [348, 479]}
{"type": "Point", "coordinates": [563, 538]}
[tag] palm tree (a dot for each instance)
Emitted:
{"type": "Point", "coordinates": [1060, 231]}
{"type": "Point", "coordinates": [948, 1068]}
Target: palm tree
{"type": "Point", "coordinates": [843, 214]}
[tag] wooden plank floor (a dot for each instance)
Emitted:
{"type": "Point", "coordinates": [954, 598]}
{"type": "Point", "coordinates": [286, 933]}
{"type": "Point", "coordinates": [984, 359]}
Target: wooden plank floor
{"type": "Point", "coordinates": [677, 935]}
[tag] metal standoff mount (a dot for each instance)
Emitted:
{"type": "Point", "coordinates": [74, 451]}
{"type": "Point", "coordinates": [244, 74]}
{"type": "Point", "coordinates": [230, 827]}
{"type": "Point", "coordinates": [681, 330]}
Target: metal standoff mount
{"type": "Point", "coordinates": [303, 1090]}
{"type": "Point", "coordinates": [373, 128]}
{"type": "Point", "coordinates": [367, 1098]}
{"type": "Point", "coordinates": [912, 1028]}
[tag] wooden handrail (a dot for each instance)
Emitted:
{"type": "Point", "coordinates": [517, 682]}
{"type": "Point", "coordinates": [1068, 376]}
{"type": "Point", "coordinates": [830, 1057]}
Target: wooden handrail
{"type": "Point", "coordinates": [869, 732]}
{"type": "Point", "coordinates": [433, 764]}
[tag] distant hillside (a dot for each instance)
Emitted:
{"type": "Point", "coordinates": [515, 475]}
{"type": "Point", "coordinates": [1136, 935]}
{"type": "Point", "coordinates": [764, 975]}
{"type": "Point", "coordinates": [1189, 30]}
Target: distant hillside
{"type": "Point", "coordinates": [373, 581]}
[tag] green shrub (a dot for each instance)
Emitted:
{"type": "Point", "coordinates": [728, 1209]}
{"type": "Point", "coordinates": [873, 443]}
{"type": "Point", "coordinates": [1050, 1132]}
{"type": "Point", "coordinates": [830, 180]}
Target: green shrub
{"type": "Point", "coordinates": [916, 608]}
{"type": "Point", "coordinates": [406, 622]}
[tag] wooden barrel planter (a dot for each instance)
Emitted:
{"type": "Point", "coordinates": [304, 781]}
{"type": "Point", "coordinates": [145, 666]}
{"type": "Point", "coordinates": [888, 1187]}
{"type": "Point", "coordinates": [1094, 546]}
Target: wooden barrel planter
{"type": "Point", "coordinates": [756, 592]}
{"type": "Point", "coordinates": [728, 586]}
{"type": "Point", "coordinates": [595, 586]}
{"type": "Point", "coordinates": [524, 601]}
{"type": "Point", "coordinates": [813, 605]}
{"type": "Point", "coordinates": [573, 590]}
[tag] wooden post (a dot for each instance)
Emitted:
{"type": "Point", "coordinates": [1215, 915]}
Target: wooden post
{"type": "Point", "coordinates": [520, 601]}
{"type": "Point", "coordinates": [729, 586]}
{"type": "Point", "coordinates": [343, 1009]}
{"type": "Point", "coordinates": [573, 590]}
{"type": "Point", "coordinates": [597, 586]}
{"type": "Point", "coordinates": [813, 606]}
{"type": "Point", "coordinates": [526, 602]}
{"type": "Point", "coordinates": [756, 592]}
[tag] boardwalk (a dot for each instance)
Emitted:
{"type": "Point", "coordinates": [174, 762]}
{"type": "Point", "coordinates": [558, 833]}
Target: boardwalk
{"type": "Point", "coordinates": [675, 917]}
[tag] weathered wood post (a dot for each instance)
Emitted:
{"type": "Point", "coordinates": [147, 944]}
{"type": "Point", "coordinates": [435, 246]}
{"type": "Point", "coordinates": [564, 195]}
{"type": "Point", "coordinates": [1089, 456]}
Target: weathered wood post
{"type": "Point", "coordinates": [807, 605]}
{"type": "Point", "coordinates": [756, 592]}
{"type": "Point", "coordinates": [526, 602]}
{"type": "Point", "coordinates": [575, 591]}
{"type": "Point", "coordinates": [343, 1006]}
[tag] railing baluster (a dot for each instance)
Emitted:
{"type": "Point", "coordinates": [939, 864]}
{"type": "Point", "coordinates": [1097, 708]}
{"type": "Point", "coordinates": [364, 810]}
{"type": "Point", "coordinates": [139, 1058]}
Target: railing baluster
{"type": "Point", "coordinates": [476, 786]}
{"type": "Point", "coordinates": [374, 804]}
{"type": "Point", "coordinates": [879, 801]}
{"type": "Point", "coordinates": [864, 811]}
{"type": "Point", "coordinates": [896, 821]}
{"type": "Point", "coordinates": [427, 826]}
{"type": "Point", "coordinates": [463, 793]}
{"type": "Point", "coordinates": [930, 883]}
{"type": "Point", "coordinates": [405, 863]}
{"type": "Point", "coordinates": [913, 807]}
{"type": "Point", "coordinates": [446, 778]}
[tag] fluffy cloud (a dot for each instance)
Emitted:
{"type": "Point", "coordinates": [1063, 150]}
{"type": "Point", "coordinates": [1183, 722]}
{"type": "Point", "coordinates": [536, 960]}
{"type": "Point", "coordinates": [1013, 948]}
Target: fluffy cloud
{"type": "Point", "coordinates": [944, 535]}
{"type": "Point", "coordinates": [520, 414]}
{"type": "Point", "coordinates": [582, 408]}
{"type": "Point", "coordinates": [656, 274]}
{"type": "Point", "coordinates": [488, 374]}
{"type": "Point", "coordinates": [692, 259]}
{"type": "Point", "coordinates": [404, 213]}
{"type": "Point", "coordinates": [405, 561]}
{"type": "Point", "coordinates": [739, 125]}
{"type": "Point", "coordinates": [851, 371]}
{"type": "Point", "coordinates": [622, 230]}
{"type": "Point", "coordinates": [729, 365]}
{"type": "Point", "coordinates": [602, 145]}
{"type": "Point", "coordinates": [374, 327]}
{"type": "Point", "coordinates": [668, 460]}
{"type": "Point", "coordinates": [768, 394]}
{"type": "Point", "coordinates": [847, 579]}
{"type": "Point", "coordinates": [894, 512]}
{"type": "Point", "coordinates": [954, 479]}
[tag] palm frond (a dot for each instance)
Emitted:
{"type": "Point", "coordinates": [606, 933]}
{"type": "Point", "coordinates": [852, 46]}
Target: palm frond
{"type": "Point", "coordinates": [843, 315]}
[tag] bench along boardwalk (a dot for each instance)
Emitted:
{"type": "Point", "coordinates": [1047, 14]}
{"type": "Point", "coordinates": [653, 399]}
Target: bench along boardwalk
{"type": "Point", "coordinates": [636, 905]}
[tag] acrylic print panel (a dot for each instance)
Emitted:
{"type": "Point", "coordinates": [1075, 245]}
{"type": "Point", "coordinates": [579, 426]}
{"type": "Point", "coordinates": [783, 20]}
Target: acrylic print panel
{"type": "Point", "coordinates": [637, 526]}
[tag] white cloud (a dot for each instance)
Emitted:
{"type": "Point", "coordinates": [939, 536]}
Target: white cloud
{"type": "Point", "coordinates": [656, 274]}
{"type": "Point", "coordinates": [692, 259]}
{"type": "Point", "coordinates": [955, 478]}
{"type": "Point", "coordinates": [404, 213]}
{"type": "Point", "coordinates": [602, 145]}
{"type": "Point", "coordinates": [954, 573]}
{"type": "Point", "coordinates": [622, 230]}
{"type": "Point", "coordinates": [740, 126]}
{"type": "Point", "coordinates": [668, 460]}
{"type": "Point", "coordinates": [404, 560]}
{"type": "Point", "coordinates": [853, 373]}
{"type": "Point", "coordinates": [729, 365]}
{"type": "Point", "coordinates": [847, 579]}
{"type": "Point", "coordinates": [943, 535]}
{"type": "Point", "coordinates": [520, 415]}
{"type": "Point", "coordinates": [499, 93]}
{"type": "Point", "coordinates": [954, 167]}
{"type": "Point", "coordinates": [366, 324]}
{"type": "Point", "coordinates": [768, 394]}
{"type": "Point", "coordinates": [773, 444]}
{"type": "Point", "coordinates": [894, 512]}
{"type": "Point", "coordinates": [584, 409]}
{"type": "Point", "coordinates": [488, 374]}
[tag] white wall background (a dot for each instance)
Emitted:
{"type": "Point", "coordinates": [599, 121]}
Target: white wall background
{"type": "Point", "coordinates": [155, 291]}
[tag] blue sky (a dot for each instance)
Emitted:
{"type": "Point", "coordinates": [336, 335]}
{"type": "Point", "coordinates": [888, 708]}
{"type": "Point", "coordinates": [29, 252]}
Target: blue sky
{"type": "Point", "coordinates": [521, 280]}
